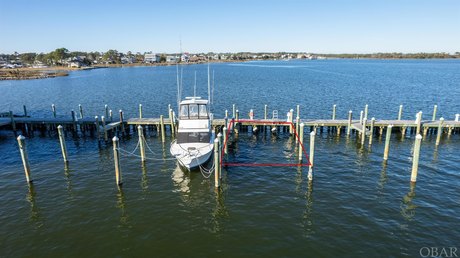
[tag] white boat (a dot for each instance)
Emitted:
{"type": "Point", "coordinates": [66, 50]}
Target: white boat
{"type": "Point", "coordinates": [195, 138]}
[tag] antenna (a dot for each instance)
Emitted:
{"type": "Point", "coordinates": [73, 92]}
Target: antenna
{"type": "Point", "coordinates": [178, 85]}
{"type": "Point", "coordinates": [194, 87]}
{"type": "Point", "coordinates": [212, 99]}
{"type": "Point", "coordinates": [209, 86]}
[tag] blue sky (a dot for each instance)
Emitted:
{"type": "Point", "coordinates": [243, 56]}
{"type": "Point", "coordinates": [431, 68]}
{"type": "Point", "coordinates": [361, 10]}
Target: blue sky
{"type": "Point", "coordinates": [327, 26]}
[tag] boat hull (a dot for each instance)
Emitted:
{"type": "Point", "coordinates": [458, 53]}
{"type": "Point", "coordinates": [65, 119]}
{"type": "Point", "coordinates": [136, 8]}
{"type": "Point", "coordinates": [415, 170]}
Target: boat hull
{"type": "Point", "coordinates": [189, 157]}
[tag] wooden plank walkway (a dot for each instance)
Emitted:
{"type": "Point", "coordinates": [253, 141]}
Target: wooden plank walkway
{"type": "Point", "coordinates": [149, 121]}
{"type": "Point", "coordinates": [4, 121]}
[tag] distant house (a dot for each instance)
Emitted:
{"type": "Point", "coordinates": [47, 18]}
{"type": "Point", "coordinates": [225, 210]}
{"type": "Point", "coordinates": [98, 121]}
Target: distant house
{"type": "Point", "coordinates": [171, 59]}
{"type": "Point", "coordinates": [127, 59]}
{"type": "Point", "coordinates": [152, 58]}
{"type": "Point", "coordinates": [185, 57]}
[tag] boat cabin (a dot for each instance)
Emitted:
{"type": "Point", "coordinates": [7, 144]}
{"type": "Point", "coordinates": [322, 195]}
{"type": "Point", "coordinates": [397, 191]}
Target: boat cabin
{"type": "Point", "coordinates": [193, 108]}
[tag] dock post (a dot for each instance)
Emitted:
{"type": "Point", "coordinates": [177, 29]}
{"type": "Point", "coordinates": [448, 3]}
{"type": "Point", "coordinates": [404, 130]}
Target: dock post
{"type": "Point", "coordinates": [106, 138]}
{"type": "Point", "coordinates": [74, 121]}
{"type": "Point", "coordinates": [13, 123]}
{"type": "Point", "coordinates": [363, 135]}
{"type": "Point", "coordinates": [162, 125]}
{"type": "Point", "coordinates": [419, 122]}
{"type": "Point", "coordinates": [457, 116]}
{"type": "Point", "coordinates": [361, 116]}
{"type": "Point", "coordinates": [53, 108]}
{"type": "Point", "coordinates": [297, 125]}
{"type": "Point", "coordinates": [350, 118]}
{"type": "Point", "coordinates": [371, 133]}
{"type": "Point", "coordinates": [96, 118]}
{"type": "Point", "coordinates": [116, 159]}
{"type": "Point", "coordinates": [387, 142]}
{"type": "Point", "coordinates": [291, 120]}
{"type": "Point", "coordinates": [106, 108]}
{"type": "Point", "coordinates": [265, 112]}
{"type": "Point", "coordinates": [121, 122]}
{"type": "Point", "coordinates": [302, 125]}
{"type": "Point", "coordinates": [111, 115]}
{"type": "Point", "coordinates": [234, 110]}
{"type": "Point", "coordinates": [25, 157]}
{"type": "Point", "coordinates": [298, 111]}
{"type": "Point", "coordinates": [312, 154]}
{"type": "Point", "coordinates": [80, 108]}
{"type": "Point", "coordinates": [366, 111]}
{"type": "Point", "coordinates": [225, 131]}
{"type": "Point", "coordinates": [400, 112]}
{"type": "Point", "coordinates": [25, 110]}
{"type": "Point", "coordinates": [216, 164]}
{"type": "Point", "coordinates": [435, 109]}
{"type": "Point", "coordinates": [140, 110]}
{"type": "Point", "coordinates": [226, 114]}
{"type": "Point", "coordinates": [140, 132]}
{"type": "Point", "coordinates": [63, 145]}
{"type": "Point", "coordinates": [333, 111]}
{"type": "Point", "coordinates": [418, 141]}
{"type": "Point", "coordinates": [171, 119]}
{"type": "Point", "coordinates": [438, 137]}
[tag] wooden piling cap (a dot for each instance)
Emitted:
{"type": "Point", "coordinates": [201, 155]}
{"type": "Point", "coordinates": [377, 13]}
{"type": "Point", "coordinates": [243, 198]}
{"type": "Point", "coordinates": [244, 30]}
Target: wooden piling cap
{"type": "Point", "coordinates": [418, 137]}
{"type": "Point", "coordinates": [302, 124]}
{"type": "Point", "coordinates": [115, 139]}
{"type": "Point", "coordinates": [442, 118]}
{"type": "Point", "coordinates": [312, 133]}
{"type": "Point", "coordinates": [21, 137]}
{"type": "Point", "coordinates": [216, 140]}
{"type": "Point", "coordinates": [139, 127]}
{"type": "Point", "coordinates": [59, 127]}
{"type": "Point", "coordinates": [219, 135]}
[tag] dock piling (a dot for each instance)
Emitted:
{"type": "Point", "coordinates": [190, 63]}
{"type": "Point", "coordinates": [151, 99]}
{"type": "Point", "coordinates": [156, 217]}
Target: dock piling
{"type": "Point", "coordinates": [435, 109]}
{"type": "Point", "coordinates": [225, 131]}
{"type": "Point", "coordinates": [438, 136]}
{"type": "Point", "coordinates": [140, 110]}
{"type": "Point", "coordinates": [419, 121]}
{"type": "Point", "coordinates": [96, 118]}
{"type": "Point", "coordinates": [350, 118]}
{"type": "Point", "coordinates": [13, 123]}
{"type": "Point", "coordinates": [333, 111]}
{"type": "Point", "coordinates": [297, 125]}
{"type": "Point", "coordinates": [457, 116]}
{"type": "Point", "coordinates": [111, 115]}
{"type": "Point", "coordinates": [25, 110]}
{"type": "Point", "coordinates": [312, 154]}
{"type": "Point", "coordinates": [234, 110]}
{"type": "Point", "coordinates": [387, 142]}
{"type": "Point", "coordinates": [80, 108]}
{"type": "Point", "coordinates": [140, 132]}
{"type": "Point", "coordinates": [366, 111]}
{"type": "Point", "coordinates": [216, 164]}
{"type": "Point", "coordinates": [122, 122]}
{"type": "Point", "coordinates": [415, 159]}
{"type": "Point", "coordinates": [63, 145]}
{"type": "Point", "coordinates": [116, 159]}
{"type": "Point", "coordinates": [106, 108]}
{"type": "Point", "coordinates": [265, 112]}
{"type": "Point", "coordinates": [400, 112]}
{"type": "Point", "coordinates": [361, 116]}
{"type": "Point", "coordinates": [24, 156]}
{"type": "Point", "coordinates": [371, 133]}
{"type": "Point", "coordinates": [106, 137]}
{"type": "Point", "coordinates": [363, 135]}
{"type": "Point", "coordinates": [74, 120]}
{"type": "Point", "coordinates": [162, 125]}
{"type": "Point", "coordinates": [53, 109]}
{"type": "Point", "coordinates": [301, 130]}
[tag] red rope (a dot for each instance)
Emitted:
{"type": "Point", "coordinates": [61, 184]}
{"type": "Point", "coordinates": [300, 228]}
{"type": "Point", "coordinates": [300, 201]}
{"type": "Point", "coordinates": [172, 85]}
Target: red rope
{"type": "Point", "coordinates": [264, 122]}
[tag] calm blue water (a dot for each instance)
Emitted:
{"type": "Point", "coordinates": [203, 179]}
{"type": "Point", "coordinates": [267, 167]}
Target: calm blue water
{"type": "Point", "coordinates": [357, 205]}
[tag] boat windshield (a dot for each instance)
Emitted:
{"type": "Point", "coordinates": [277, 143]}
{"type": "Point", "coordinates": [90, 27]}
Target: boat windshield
{"type": "Point", "coordinates": [193, 111]}
{"type": "Point", "coordinates": [189, 137]}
